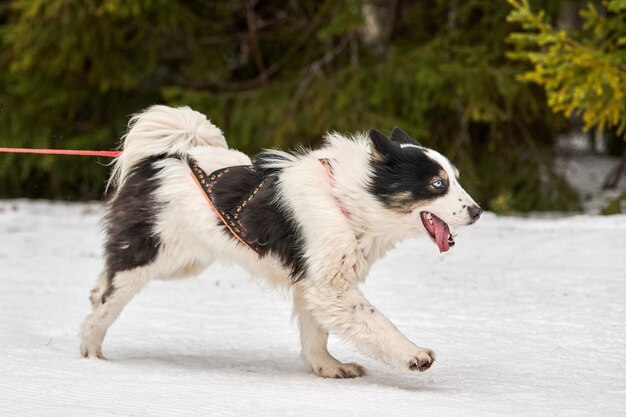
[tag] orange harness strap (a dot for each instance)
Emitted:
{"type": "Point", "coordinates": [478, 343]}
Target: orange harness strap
{"type": "Point", "coordinates": [203, 182]}
{"type": "Point", "coordinates": [231, 220]}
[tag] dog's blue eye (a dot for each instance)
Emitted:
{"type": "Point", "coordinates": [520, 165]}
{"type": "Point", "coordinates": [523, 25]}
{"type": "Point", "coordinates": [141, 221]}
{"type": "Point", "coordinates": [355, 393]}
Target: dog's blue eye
{"type": "Point", "coordinates": [438, 184]}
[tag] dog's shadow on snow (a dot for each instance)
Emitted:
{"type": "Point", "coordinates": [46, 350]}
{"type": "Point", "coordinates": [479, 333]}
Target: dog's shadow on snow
{"type": "Point", "coordinates": [234, 361]}
{"type": "Point", "coordinates": [260, 363]}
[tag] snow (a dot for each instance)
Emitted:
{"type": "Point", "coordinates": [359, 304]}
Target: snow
{"type": "Point", "coordinates": [526, 315]}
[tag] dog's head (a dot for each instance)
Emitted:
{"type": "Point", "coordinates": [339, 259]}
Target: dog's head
{"type": "Point", "coordinates": [412, 180]}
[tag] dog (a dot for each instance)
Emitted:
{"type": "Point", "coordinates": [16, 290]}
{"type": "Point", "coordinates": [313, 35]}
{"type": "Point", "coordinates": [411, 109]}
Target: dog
{"type": "Point", "coordinates": [313, 221]}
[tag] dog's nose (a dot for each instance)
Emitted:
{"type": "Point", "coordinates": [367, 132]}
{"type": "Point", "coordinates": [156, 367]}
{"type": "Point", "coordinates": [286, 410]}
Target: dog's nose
{"type": "Point", "coordinates": [475, 212]}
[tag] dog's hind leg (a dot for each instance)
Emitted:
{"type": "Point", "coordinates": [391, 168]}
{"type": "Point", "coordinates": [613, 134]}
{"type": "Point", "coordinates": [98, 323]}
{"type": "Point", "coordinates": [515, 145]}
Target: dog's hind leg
{"type": "Point", "coordinates": [314, 341]}
{"type": "Point", "coordinates": [109, 298]}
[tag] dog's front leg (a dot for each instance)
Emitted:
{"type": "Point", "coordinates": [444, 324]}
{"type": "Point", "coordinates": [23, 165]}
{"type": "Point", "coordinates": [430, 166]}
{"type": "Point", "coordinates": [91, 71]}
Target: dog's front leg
{"type": "Point", "coordinates": [314, 341]}
{"type": "Point", "coordinates": [346, 312]}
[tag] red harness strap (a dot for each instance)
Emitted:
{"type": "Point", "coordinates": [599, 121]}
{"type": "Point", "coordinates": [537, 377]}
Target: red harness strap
{"type": "Point", "coordinates": [331, 179]}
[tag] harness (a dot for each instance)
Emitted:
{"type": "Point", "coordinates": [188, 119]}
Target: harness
{"type": "Point", "coordinates": [231, 214]}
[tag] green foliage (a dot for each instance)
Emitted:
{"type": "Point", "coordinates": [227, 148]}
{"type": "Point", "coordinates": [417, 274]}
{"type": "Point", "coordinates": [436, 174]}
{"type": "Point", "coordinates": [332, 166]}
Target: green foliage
{"type": "Point", "coordinates": [585, 76]}
{"type": "Point", "coordinates": [68, 81]}
{"type": "Point", "coordinates": [273, 75]}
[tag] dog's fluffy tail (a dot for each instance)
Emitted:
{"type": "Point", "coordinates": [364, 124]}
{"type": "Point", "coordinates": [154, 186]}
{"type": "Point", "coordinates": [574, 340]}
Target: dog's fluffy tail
{"type": "Point", "coordinates": [163, 130]}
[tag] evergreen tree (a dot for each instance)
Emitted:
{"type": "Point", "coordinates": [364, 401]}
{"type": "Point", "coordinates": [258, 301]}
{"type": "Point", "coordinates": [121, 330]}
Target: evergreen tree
{"type": "Point", "coordinates": [582, 75]}
{"type": "Point", "coordinates": [275, 74]}
{"type": "Point", "coordinates": [585, 76]}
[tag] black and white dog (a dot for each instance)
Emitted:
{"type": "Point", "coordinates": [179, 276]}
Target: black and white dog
{"type": "Point", "coordinates": [313, 221]}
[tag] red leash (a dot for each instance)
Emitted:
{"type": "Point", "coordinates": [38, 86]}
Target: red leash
{"type": "Point", "coordinates": [110, 154]}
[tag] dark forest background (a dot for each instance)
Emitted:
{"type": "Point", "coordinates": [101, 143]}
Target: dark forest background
{"type": "Point", "coordinates": [277, 73]}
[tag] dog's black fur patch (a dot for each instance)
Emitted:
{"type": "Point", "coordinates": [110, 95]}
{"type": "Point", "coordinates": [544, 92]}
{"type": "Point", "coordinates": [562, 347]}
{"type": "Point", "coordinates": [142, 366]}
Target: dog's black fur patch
{"type": "Point", "coordinates": [402, 176]}
{"type": "Point", "coordinates": [400, 136]}
{"type": "Point", "coordinates": [270, 227]}
{"type": "Point", "coordinates": [129, 222]}
{"type": "Point", "coordinates": [265, 162]}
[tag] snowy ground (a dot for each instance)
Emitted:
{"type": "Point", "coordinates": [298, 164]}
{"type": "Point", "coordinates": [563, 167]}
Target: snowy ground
{"type": "Point", "coordinates": [527, 317]}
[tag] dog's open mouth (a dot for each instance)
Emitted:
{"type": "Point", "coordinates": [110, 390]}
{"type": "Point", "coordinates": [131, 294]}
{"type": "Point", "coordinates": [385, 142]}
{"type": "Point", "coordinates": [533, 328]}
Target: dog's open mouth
{"type": "Point", "coordinates": [439, 231]}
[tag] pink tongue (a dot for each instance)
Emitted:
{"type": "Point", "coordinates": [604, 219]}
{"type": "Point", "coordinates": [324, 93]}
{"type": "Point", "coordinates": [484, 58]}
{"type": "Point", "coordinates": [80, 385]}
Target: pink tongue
{"type": "Point", "coordinates": [442, 231]}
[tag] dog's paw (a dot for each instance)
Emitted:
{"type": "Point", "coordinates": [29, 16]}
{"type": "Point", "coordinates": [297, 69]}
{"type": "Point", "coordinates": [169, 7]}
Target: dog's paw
{"type": "Point", "coordinates": [422, 360]}
{"type": "Point", "coordinates": [340, 370]}
{"type": "Point", "coordinates": [91, 351]}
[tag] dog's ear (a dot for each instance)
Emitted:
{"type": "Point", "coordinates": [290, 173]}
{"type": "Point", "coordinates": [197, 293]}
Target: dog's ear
{"type": "Point", "coordinates": [383, 147]}
{"type": "Point", "coordinates": [400, 136]}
